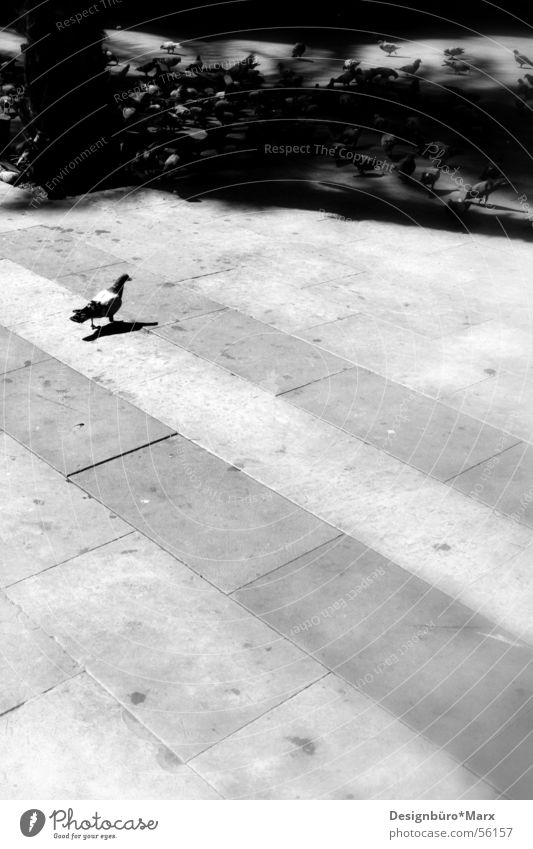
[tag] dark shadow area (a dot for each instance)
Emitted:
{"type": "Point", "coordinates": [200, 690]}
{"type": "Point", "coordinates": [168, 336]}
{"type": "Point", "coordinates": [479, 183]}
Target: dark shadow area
{"type": "Point", "coordinates": [201, 132]}
{"type": "Point", "coordinates": [116, 327]}
{"type": "Point", "coordinates": [354, 198]}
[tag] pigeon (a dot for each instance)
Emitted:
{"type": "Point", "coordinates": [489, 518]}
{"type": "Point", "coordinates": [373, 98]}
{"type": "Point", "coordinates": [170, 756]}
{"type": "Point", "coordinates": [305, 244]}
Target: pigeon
{"type": "Point", "coordinates": [457, 67]}
{"type": "Point", "coordinates": [388, 142]}
{"type": "Point", "coordinates": [458, 207]}
{"type": "Point", "coordinates": [522, 60]}
{"type": "Point", "coordinates": [493, 168]}
{"type": "Point", "coordinates": [170, 46]}
{"type": "Point", "coordinates": [196, 66]}
{"type": "Point", "coordinates": [453, 52]}
{"type": "Point", "coordinates": [429, 178]}
{"type": "Point", "coordinates": [412, 68]}
{"type": "Point", "coordinates": [379, 122]}
{"type": "Point", "coordinates": [529, 78]}
{"type": "Point", "coordinates": [104, 305]}
{"type": "Point", "coordinates": [524, 90]}
{"type": "Point", "coordinates": [298, 50]}
{"type": "Point", "coordinates": [123, 73]}
{"type": "Point", "coordinates": [484, 189]}
{"type": "Point", "coordinates": [147, 67]}
{"type": "Point", "coordinates": [388, 47]}
{"type": "Point", "coordinates": [406, 167]}
{"type": "Point", "coordinates": [110, 58]}
{"type": "Point", "coordinates": [171, 162]}
{"type": "Point", "coordinates": [384, 73]}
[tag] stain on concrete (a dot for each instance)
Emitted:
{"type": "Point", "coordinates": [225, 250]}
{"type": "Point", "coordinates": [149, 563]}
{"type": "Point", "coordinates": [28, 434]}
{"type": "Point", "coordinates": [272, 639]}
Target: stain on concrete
{"type": "Point", "coordinates": [304, 743]}
{"type": "Point", "coordinates": [442, 546]}
{"type": "Point", "coordinates": [137, 698]}
{"type": "Point", "coordinates": [168, 760]}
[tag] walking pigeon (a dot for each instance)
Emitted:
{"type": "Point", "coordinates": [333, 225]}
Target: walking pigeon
{"type": "Point", "coordinates": [104, 305]}
{"type": "Point", "coordinates": [388, 47]}
{"type": "Point", "coordinates": [521, 59]}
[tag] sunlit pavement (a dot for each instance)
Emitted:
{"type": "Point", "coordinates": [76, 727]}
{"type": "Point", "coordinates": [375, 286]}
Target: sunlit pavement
{"type": "Point", "coordinates": [269, 536]}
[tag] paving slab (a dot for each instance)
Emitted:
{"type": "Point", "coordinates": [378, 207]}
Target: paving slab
{"type": "Point", "coordinates": [265, 356]}
{"type": "Point", "coordinates": [171, 262]}
{"type": "Point", "coordinates": [412, 427]}
{"type": "Point", "coordinates": [513, 601]}
{"type": "Point", "coordinates": [504, 400]}
{"type": "Point", "coordinates": [147, 297]}
{"type": "Point", "coordinates": [274, 301]}
{"type": "Point", "coordinates": [31, 661]}
{"type": "Point", "coordinates": [406, 301]}
{"type": "Point", "coordinates": [409, 250]}
{"type": "Point", "coordinates": [499, 346]}
{"type": "Point", "coordinates": [161, 238]}
{"type": "Point", "coordinates": [446, 671]}
{"type": "Point", "coordinates": [70, 421]}
{"type": "Point", "coordinates": [89, 748]}
{"type": "Point", "coordinates": [431, 366]}
{"type": "Point", "coordinates": [504, 482]}
{"type": "Point", "coordinates": [16, 353]}
{"type": "Point", "coordinates": [44, 519]}
{"type": "Point", "coordinates": [51, 252]}
{"type": "Point", "coordinates": [330, 742]}
{"type": "Point", "coordinates": [303, 265]}
{"type": "Point", "coordinates": [207, 513]}
{"type": "Point", "coordinates": [30, 297]}
{"type": "Point", "coordinates": [191, 664]}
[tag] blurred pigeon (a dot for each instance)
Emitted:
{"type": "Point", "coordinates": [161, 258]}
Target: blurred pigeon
{"type": "Point", "coordinates": [412, 68]}
{"type": "Point", "coordinates": [388, 47]}
{"type": "Point", "coordinates": [522, 60]}
{"type": "Point", "coordinates": [170, 46]}
{"type": "Point", "coordinates": [429, 178]}
{"type": "Point", "coordinates": [482, 191]}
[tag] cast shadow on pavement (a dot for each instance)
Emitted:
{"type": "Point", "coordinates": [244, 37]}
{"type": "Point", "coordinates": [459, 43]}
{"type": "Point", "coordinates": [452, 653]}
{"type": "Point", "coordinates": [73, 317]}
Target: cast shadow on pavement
{"type": "Point", "coordinates": [115, 327]}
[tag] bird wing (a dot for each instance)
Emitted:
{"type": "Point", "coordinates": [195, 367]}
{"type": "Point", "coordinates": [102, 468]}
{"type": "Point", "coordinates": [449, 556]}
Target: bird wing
{"type": "Point", "coordinates": [104, 298]}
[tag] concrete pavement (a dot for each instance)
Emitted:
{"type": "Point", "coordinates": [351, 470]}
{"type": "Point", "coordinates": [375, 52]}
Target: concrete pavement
{"type": "Point", "coordinates": [273, 540]}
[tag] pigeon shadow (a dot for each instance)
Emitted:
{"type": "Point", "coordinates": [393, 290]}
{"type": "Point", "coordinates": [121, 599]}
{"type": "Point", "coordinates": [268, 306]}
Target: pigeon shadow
{"type": "Point", "coordinates": [115, 327]}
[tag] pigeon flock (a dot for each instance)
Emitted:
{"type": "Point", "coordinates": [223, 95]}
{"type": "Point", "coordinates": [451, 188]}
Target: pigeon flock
{"type": "Point", "coordinates": [177, 115]}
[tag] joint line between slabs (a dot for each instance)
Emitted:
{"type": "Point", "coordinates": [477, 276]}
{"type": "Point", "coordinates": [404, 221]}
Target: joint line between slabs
{"type": "Point", "coordinates": [70, 475]}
